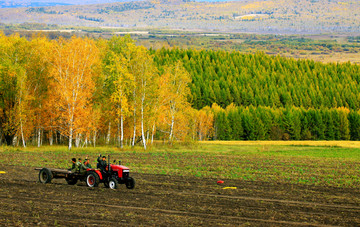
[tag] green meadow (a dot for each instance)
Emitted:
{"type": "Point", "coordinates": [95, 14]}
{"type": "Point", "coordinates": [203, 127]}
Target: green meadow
{"type": "Point", "coordinates": [311, 163]}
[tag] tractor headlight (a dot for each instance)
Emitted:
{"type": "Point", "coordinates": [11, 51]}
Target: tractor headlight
{"type": "Point", "coordinates": [125, 173]}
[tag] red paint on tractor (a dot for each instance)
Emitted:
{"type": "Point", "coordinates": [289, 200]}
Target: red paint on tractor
{"type": "Point", "coordinates": [119, 169]}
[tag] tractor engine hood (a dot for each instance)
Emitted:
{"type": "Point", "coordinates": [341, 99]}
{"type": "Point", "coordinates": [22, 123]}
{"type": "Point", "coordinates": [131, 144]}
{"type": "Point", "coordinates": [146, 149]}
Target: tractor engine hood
{"type": "Point", "coordinates": [118, 167]}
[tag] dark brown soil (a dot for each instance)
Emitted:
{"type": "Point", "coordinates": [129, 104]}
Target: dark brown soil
{"type": "Point", "coordinates": [171, 201]}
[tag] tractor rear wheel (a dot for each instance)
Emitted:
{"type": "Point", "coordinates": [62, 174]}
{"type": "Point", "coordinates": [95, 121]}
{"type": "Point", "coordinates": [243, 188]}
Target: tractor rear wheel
{"type": "Point", "coordinates": [113, 184]}
{"type": "Point", "coordinates": [92, 179]}
{"type": "Point", "coordinates": [45, 176]}
{"type": "Point", "coordinates": [130, 183]}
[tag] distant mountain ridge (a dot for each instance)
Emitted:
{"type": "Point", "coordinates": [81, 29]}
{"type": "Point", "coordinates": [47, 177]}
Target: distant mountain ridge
{"type": "Point", "coordinates": [259, 16]}
{"type": "Point", "coordinates": [17, 4]}
{"type": "Point", "coordinates": [44, 3]}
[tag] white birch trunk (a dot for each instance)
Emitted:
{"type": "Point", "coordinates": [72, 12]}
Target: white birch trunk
{"type": "Point", "coordinates": [152, 134]}
{"type": "Point", "coordinates": [14, 141]}
{"type": "Point", "coordinates": [39, 138]}
{"type": "Point", "coordinates": [122, 130]}
{"type": "Point", "coordinates": [85, 142]}
{"type": "Point", "coordinates": [134, 135]}
{"type": "Point", "coordinates": [108, 134]}
{"type": "Point", "coordinates": [51, 138]}
{"type": "Point", "coordinates": [134, 97]}
{"type": "Point", "coordinates": [22, 133]}
{"type": "Point", "coordinates": [21, 125]}
{"type": "Point", "coordinates": [200, 135]}
{"type": "Point", "coordinates": [70, 137]}
{"type": "Point", "coordinates": [118, 133]}
{"type": "Point", "coordinates": [171, 128]}
{"type": "Point", "coordinates": [94, 138]}
{"type": "Point", "coordinates": [142, 126]}
{"type": "Point", "coordinates": [77, 140]}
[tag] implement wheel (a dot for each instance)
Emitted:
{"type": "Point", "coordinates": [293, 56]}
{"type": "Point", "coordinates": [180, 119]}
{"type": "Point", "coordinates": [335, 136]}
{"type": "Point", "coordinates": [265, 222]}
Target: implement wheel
{"type": "Point", "coordinates": [45, 176]}
{"type": "Point", "coordinates": [92, 180]}
{"type": "Point", "coordinates": [71, 181]}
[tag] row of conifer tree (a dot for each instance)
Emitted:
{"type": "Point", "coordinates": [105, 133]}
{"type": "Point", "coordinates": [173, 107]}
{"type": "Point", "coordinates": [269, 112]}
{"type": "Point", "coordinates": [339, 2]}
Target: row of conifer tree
{"type": "Point", "coordinates": [261, 97]}
{"type": "Point", "coordinates": [260, 80]}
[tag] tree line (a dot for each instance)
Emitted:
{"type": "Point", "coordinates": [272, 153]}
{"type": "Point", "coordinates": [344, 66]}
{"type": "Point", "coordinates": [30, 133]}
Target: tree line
{"type": "Point", "coordinates": [292, 123]}
{"type": "Point", "coordinates": [84, 92]}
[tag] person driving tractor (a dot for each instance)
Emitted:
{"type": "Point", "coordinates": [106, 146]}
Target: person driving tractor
{"type": "Point", "coordinates": [101, 163]}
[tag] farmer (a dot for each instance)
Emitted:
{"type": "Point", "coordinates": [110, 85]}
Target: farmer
{"type": "Point", "coordinates": [81, 167]}
{"type": "Point", "coordinates": [87, 163]}
{"type": "Point", "coordinates": [73, 167]}
{"type": "Point", "coordinates": [101, 163]}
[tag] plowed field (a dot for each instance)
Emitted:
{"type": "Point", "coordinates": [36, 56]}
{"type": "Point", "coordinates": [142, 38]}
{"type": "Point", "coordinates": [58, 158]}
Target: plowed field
{"type": "Point", "coordinates": [172, 201]}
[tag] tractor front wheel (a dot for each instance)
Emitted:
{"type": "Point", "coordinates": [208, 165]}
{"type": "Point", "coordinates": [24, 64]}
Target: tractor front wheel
{"type": "Point", "coordinates": [92, 180]}
{"type": "Point", "coordinates": [45, 176]}
{"type": "Point", "coordinates": [113, 184]}
{"type": "Point", "coordinates": [130, 183]}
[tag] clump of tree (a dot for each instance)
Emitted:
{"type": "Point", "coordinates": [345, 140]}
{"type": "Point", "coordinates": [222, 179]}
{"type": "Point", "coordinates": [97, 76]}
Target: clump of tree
{"type": "Point", "coordinates": [224, 77]}
{"type": "Point", "coordinates": [81, 91]}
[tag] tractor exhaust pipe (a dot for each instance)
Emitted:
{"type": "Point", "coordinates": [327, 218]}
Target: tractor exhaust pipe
{"type": "Point", "coordinates": [109, 163]}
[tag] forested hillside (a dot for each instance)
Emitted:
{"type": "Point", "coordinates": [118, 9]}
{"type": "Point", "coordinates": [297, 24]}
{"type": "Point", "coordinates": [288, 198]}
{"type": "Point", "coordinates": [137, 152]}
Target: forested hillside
{"type": "Point", "coordinates": [39, 3]}
{"type": "Point", "coordinates": [261, 16]}
{"type": "Point", "coordinates": [84, 92]}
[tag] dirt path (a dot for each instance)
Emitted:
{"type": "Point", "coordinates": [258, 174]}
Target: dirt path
{"type": "Point", "coordinates": [169, 200]}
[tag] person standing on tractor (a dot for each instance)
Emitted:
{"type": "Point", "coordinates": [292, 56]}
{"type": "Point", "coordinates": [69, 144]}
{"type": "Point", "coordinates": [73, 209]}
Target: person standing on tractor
{"type": "Point", "coordinates": [87, 163]}
{"type": "Point", "coordinates": [101, 163]}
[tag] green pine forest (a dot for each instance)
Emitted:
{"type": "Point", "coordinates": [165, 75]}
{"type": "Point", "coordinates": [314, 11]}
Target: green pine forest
{"type": "Point", "coordinates": [261, 97]}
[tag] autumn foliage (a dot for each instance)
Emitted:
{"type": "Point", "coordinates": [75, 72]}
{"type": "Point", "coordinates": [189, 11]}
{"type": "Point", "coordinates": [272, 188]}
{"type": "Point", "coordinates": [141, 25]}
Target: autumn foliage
{"type": "Point", "coordinates": [74, 65]}
{"type": "Point", "coordinates": [84, 92]}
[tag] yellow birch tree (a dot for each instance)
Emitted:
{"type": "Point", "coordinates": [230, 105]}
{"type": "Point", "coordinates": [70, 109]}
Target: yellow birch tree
{"type": "Point", "coordinates": [74, 66]}
{"type": "Point", "coordinates": [174, 91]}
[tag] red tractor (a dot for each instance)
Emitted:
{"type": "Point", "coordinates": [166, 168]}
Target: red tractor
{"type": "Point", "coordinates": [111, 176]}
